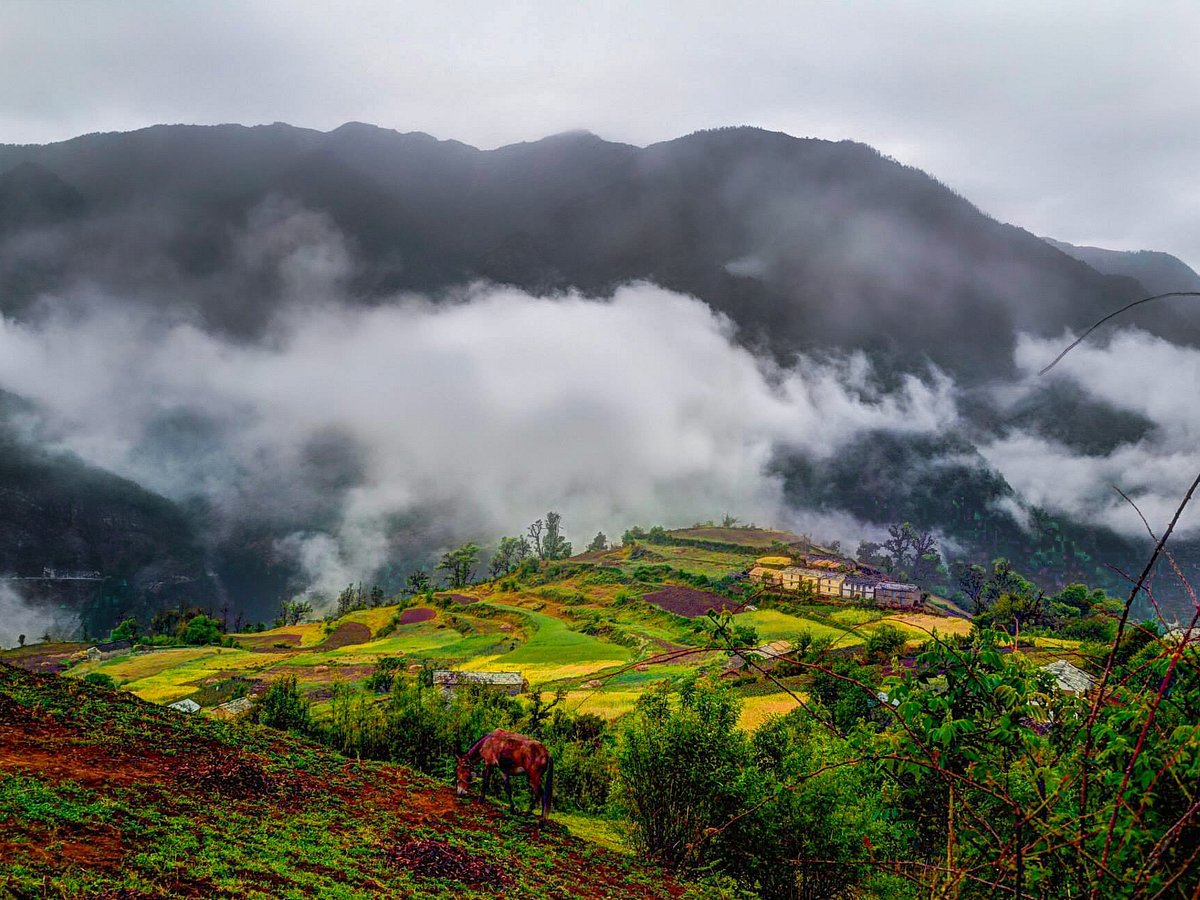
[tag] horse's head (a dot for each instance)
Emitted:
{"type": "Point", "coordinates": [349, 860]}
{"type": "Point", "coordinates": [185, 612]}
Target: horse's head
{"type": "Point", "coordinates": [462, 774]}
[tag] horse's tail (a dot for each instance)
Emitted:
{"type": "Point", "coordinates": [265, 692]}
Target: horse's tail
{"type": "Point", "coordinates": [548, 786]}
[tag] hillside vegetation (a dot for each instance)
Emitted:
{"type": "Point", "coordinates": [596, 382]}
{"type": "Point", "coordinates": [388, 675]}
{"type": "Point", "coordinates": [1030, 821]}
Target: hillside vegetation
{"type": "Point", "coordinates": [104, 795]}
{"type": "Point", "coordinates": [777, 745]}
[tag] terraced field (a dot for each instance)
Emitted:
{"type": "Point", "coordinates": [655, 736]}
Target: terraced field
{"type": "Point", "coordinates": [595, 626]}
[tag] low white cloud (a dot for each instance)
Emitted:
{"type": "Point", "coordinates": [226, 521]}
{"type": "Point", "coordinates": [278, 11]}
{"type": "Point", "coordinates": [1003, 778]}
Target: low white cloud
{"type": "Point", "coordinates": [482, 413]}
{"type": "Point", "coordinates": [19, 618]}
{"type": "Point", "coordinates": [1131, 371]}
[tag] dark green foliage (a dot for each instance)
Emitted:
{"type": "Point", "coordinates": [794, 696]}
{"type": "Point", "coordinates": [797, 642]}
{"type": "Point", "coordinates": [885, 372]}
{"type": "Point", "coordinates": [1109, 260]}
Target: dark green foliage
{"type": "Point", "coordinates": [100, 679]}
{"type": "Point", "coordinates": [459, 565]}
{"type": "Point", "coordinates": [554, 545]}
{"type": "Point", "coordinates": [846, 691]}
{"type": "Point", "coordinates": [201, 630]}
{"type": "Point", "coordinates": [283, 706]}
{"type": "Point", "coordinates": [293, 612]}
{"type": "Point", "coordinates": [884, 642]}
{"type": "Point", "coordinates": [128, 630]}
{"type": "Point", "coordinates": [680, 759]}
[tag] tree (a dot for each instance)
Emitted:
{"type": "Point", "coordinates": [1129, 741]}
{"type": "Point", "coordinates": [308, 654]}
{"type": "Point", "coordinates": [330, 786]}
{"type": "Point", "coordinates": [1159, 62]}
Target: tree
{"type": "Point", "coordinates": [868, 554]}
{"type": "Point", "coordinates": [201, 630]}
{"type": "Point", "coordinates": [971, 579]}
{"type": "Point", "coordinates": [554, 545]}
{"type": "Point", "coordinates": [293, 612]}
{"type": "Point", "coordinates": [128, 630]}
{"type": "Point", "coordinates": [417, 582]}
{"type": "Point", "coordinates": [599, 542]}
{"type": "Point", "coordinates": [679, 761]}
{"type": "Point", "coordinates": [884, 642]}
{"type": "Point", "coordinates": [535, 538]}
{"type": "Point", "coordinates": [20, 640]}
{"type": "Point", "coordinates": [510, 553]}
{"type": "Point", "coordinates": [459, 565]}
{"type": "Point", "coordinates": [351, 598]}
{"type": "Point", "coordinates": [377, 596]}
{"type": "Point", "coordinates": [283, 706]}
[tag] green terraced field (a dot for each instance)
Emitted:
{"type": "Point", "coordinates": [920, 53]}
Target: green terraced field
{"type": "Point", "coordinates": [553, 652]}
{"type": "Point", "coordinates": [772, 625]}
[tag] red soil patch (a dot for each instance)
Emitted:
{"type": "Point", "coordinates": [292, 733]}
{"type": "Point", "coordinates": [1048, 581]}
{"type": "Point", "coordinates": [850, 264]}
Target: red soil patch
{"type": "Point", "coordinates": [690, 602]}
{"type": "Point", "coordinates": [346, 634]}
{"type": "Point", "coordinates": [464, 599]}
{"type": "Point", "coordinates": [437, 859]}
{"type": "Point", "coordinates": [420, 614]}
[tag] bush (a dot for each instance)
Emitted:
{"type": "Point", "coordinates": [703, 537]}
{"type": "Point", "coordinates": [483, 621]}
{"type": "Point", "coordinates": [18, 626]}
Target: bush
{"type": "Point", "coordinates": [201, 630]}
{"type": "Point", "coordinates": [282, 706]}
{"type": "Point", "coordinates": [99, 679]}
{"type": "Point", "coordinates": [679, 762]}
{"type": "Point", "coordinates": [885, 642]}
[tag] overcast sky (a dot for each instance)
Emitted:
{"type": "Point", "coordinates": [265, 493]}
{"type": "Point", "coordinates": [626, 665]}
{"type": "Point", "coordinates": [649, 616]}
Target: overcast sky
{"type": "Point", "coordinates": [1075, 120]}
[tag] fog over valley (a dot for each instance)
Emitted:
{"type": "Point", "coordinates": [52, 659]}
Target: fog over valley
{"type": "Point", "coordinates": [328, 358]}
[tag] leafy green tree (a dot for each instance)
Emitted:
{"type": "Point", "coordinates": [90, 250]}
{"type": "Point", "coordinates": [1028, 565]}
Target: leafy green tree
{"type": "Point", "coordinates": [809, 814]}
{"type": "Point", "coordinates": [554, 545]}
{"type": "Point", "coordinates": [201, 630]}
{"type": "Point", "coordinates": [680, 758]}
{"type": "Point", "coordinates": [416, 583]}
{"type": "Point", "coordinates": [510, 553]}
{"type": "Point", "coordinates": [283, 706]}
{"type": "Point", "coordinates": [459, 565]}
{"type": "Point", "coordinates": [128, 630]}
{"type": "Point", "coordinates": [293, 612]}
{"type": "Point", "coordinates": [884, 642]}
{"type": "Point", "coordinates": [599, 542]}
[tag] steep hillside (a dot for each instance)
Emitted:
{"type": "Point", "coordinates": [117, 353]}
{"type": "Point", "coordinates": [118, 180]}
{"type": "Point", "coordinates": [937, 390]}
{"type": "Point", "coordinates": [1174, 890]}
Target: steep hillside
{"type": "Point", "coordinates": [804, 243]}
{"type": "Point", "coordinates": [104, 795]}
{"type": "Point", "coordinates": [75, 536]}
{"type": "Point", "coordinates": [1158, 272]}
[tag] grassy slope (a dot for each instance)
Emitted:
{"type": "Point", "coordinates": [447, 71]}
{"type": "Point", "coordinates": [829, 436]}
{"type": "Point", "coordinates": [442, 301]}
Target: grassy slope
{"type": "Point", "coordinates": [102, 794]}
{"type": "Point", "coordinates": [534, 626]}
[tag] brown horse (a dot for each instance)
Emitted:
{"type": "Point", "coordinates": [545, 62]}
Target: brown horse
{"type": "Point", "coordinates": [512, 754]}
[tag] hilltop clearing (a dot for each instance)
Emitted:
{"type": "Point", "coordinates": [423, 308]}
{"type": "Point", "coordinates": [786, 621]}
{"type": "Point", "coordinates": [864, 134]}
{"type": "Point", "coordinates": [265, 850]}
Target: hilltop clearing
{"type": "Point", "coordinates": [104, 795]}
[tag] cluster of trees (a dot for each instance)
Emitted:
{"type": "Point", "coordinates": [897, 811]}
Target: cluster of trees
{"type": "Point", "coordinates": [357, 596]}
{"type": "Point", "coordinates": [908, 554]}
{"type": "Point", "coordinates": [543, 541]}
{"type": "Point", "coordinates": [173, 627]}
{"type": "Point", "coordinates": [1000, 597]}
{"type": "Point", "coordinates": [973, 777]}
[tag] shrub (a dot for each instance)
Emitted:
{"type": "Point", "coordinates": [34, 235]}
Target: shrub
{"type": "Point", "coordinates": [99, 679]}
{"type": "Point", "coordinates": [679, 761]}
{"type": "Point", "coordinates": [201, 630]}
{"type": "Point", "coordinates": [283, 706]}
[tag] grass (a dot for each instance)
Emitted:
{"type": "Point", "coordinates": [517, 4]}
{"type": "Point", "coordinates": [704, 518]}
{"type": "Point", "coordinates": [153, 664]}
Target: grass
{"type": "Point", "coordinates": [773, 625]}
{"type": "Point", "coordinates": [553, 652]}
{"type": "Point", "coordinates": [104, 795]}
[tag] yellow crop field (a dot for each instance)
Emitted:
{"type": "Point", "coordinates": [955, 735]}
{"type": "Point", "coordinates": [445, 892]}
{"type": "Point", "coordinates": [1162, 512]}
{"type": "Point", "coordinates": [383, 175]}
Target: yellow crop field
{"type": "Point", "coordinates": [921, 624]}
{"type": "Point", "coordinates": [758, 708]}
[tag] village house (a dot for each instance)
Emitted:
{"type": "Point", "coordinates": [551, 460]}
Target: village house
{"type": "Point", "coordinates": [858, 587]}
{"type": "Point", "coordinates": [893, 593]}
{"type": "Point", "coordinates": [109, 650]}
{"type": "Point", "coordinates": [511, 683]}
{"type": "Point", "coordinates": [1069, 678]}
